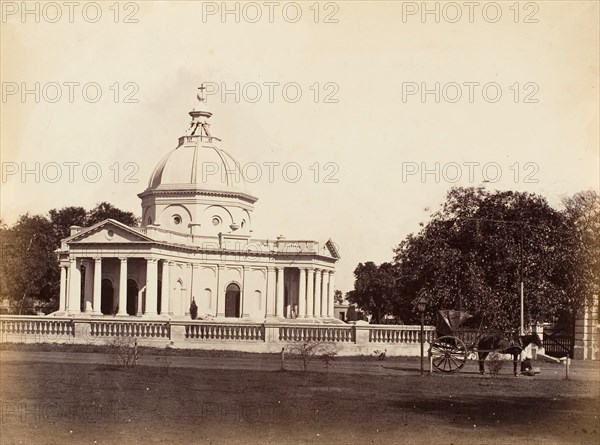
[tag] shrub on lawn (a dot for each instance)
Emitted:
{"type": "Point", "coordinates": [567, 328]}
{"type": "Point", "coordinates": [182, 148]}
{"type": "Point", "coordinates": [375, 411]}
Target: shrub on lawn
{"type": "Point", "coordinates": [494, 363]}
{"type": "Point", "coordinates": [380, 355]}
{"type": "Point", "coordinates": [328, 356]}
{"type": "Point", "coordinates": [125, 351]}
{"type": "Point", "coordinates": [307, 351]}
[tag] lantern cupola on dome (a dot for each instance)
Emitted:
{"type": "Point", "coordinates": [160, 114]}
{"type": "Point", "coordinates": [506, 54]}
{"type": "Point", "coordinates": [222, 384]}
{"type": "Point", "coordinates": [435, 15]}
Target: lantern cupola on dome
{"type": "Point", "coordinates": [198, 188]}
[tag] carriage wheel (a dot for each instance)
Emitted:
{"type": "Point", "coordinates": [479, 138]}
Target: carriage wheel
{"type": "Point", "coordinates": [448, 354]}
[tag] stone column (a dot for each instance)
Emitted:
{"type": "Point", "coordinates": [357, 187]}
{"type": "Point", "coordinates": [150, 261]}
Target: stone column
{"type": "Point", "coordinates": [270, 293]}
{"type": "Point", "coordinates": [220, 292]}
{"type": "Point", "coordinates": [243, 303]}
{"type": "Point", "coordinates": [74, 287]}
{"type": "Point", "coordinates": [62, 302]}
{"type": "Point", "coordinates": [196, 289]}
{"type": "Point", "coordinates": [122, 287]}
{"type": "Point", "coordinates": [172, 289]}
{"type": "Point", "coordinates": [279, 305]}
{"type": "Point", "coordinates": [318, 292]}
{"type": "Point", "coordinates": [189, 270]}
{"type": "Point", "coordinates": [141, 301]}
{"type": "Point", "coordinates": [151, 286]}
{"type": "Point", "coordinates": [325, 299]}
{"type": "Point", "coordinates": [302, 294]}
{"type": "Point", "coordinates": [310, 293]}
{"type": "Point", "coordinates": [586, 332]}
{"type": "Point", "coordinates": [97, 294]}
{"type": "Point", "coordinates": [165, 287]}
{"type": "Point", "coordinates": [141, 295]}
{"type": "Point", "coordinates": [88, 286]}
{"type": "Point", "coordinates": [331, 299]}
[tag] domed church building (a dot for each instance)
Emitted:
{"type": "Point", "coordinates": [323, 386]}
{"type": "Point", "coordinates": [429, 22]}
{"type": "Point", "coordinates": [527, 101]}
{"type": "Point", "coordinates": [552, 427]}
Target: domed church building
{"type": "Point", "coordinates": [195, 244]}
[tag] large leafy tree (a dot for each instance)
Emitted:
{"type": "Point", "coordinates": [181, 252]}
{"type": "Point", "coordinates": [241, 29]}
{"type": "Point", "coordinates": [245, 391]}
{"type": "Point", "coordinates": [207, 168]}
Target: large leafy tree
{"type": "Point", "coordinates": [29, 274]}
{"type": "Point", "coordinates": [64, 218]}
{"type": "Point", "coordinates": [29, 267]}
{"type": "Point", "coordinates": [105, 210]}
{"type": "Point", "coordinates": [374, 289]}
{"type": "Point", "coordinates": [471, 254]}
{"type": "Point", "coordinates": [581, 248]}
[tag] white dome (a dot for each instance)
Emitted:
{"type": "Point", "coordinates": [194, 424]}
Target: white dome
{"type": "Point", "coordinates": [198, 166]}
{"type": "Point", "coordinates": [198, 188]}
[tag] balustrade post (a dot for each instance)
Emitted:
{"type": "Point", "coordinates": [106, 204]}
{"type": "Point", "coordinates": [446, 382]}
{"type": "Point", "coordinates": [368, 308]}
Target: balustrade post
{"type": "Point", "coordinates": [361, 334]}
{"type": "Point", "coordinates": [176, 333]}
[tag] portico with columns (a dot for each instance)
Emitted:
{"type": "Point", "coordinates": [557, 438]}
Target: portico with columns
{"type": "Point", "coordinates": [195, 243]}
{"type": "Point", "coordinates": [132, 280]}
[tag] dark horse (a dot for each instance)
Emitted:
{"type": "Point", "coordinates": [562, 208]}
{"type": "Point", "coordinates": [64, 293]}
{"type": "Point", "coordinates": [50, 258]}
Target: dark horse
{"type": "Point", "coordinates": [513, 345]}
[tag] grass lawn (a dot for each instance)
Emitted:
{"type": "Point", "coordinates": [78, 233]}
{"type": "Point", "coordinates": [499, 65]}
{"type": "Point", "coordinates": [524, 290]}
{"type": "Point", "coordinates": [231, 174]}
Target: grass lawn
{"type": "Point", "coordinates": [56, 403]}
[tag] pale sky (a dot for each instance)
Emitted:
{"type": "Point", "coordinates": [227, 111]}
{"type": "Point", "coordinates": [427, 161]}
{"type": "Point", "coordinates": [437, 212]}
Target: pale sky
{"type": "Point", "coordinates": [375, 52]}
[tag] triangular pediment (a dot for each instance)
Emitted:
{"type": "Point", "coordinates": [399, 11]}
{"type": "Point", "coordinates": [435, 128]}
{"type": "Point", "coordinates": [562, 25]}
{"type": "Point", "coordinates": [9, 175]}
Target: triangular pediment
{"type": "Point", "coordinates": [332, 248]}
{"type": "Point", "coordinates": [108, 231]}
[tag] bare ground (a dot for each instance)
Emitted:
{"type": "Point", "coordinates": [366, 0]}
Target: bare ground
{"type": "Point", "coordinates": [62, 398]}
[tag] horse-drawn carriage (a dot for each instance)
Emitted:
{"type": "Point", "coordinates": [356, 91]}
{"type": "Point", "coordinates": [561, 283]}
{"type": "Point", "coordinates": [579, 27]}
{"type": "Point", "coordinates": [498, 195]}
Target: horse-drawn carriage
{"type": "Point", "coordinates": [449, 353]}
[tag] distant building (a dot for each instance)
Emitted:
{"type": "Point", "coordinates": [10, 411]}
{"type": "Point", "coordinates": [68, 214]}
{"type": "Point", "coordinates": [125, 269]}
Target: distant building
{"type": "Point", "coordinates": [347, 312]}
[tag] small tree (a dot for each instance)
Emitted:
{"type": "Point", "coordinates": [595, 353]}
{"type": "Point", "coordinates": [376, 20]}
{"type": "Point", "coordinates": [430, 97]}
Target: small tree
{"type": "Point", "coordinates": [193, 309]}
{"type": "Point", "coordinates": [307, 351]}
{"type": "Point", "coordinates": [125, 351]}
{"type": "Point", "coordinates": [338, 296]}
{"type": "Point", "coordinates": [375, 289]}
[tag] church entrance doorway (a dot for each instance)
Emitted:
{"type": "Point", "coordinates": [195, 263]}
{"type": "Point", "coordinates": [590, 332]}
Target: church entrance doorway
{"type": "Point", "coordinates": [132, 297]}
{"type": "Point", "coordinates": [106, 297]}
{"type": "Point", "coordinates": [232, 301]}
{"type": "Point", "coordinates": [159, 297]}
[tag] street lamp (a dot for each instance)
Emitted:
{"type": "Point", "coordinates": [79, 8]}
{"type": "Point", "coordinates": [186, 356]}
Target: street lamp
{"type": "Point", "coordinates": [421, 306]}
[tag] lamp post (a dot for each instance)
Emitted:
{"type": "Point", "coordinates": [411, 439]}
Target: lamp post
{"type": "Point", "coordinates": [421, 306]}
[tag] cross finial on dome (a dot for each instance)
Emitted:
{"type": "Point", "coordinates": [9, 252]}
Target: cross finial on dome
{"type": "Point", "coordinates": [200, 111]}
{"type": "Point", "coordinates": [200, 95]}
{"type": "Point", "coordinates": [199, 126]}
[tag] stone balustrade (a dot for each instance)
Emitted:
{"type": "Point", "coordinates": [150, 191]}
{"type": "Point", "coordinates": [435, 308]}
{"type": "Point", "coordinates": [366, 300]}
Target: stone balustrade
{"type": "Point", "coordinates": [293, 333]}
{"type": "Point", "coordinates": [399, 334]}
{"type": "Point", "coordinates": [128, 329]}
{"type": "Point", "coordinates": [38, 326]}
{"type": "Point", "coordinates": [270, 336]}
{"type": "Point", "coordinates": [222, 331]}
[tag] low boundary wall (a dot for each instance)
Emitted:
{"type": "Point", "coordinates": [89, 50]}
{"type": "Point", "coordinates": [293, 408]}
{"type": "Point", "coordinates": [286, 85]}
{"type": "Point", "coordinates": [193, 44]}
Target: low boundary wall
{"type": "Point", "coordinates": [361, 339]}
